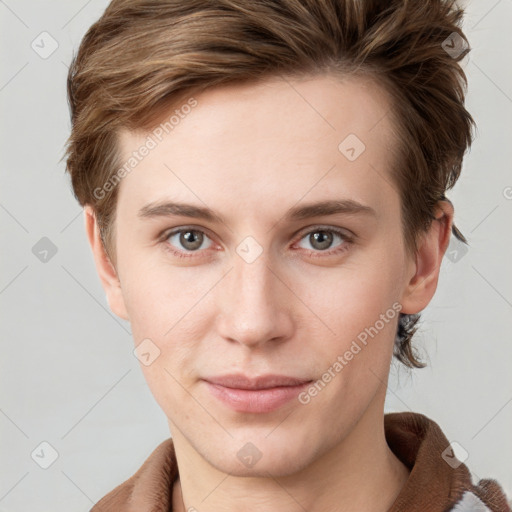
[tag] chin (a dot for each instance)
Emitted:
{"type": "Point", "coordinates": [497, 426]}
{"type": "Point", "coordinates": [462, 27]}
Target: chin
{"type": "Point", "coordinates": [259, 459]}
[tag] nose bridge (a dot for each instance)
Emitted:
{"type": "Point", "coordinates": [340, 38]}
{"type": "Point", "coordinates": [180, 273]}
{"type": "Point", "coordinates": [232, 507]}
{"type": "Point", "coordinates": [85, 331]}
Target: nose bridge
{"type": "Point", "coordinates": [252, 281]}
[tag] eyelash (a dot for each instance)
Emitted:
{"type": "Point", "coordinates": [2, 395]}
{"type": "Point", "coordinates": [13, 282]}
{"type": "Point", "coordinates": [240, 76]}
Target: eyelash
{"type": "Point", "coordinates": [348, 241]}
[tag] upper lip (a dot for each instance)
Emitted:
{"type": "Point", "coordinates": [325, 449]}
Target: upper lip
{"type": "Point", "coordinates": [238, 381]}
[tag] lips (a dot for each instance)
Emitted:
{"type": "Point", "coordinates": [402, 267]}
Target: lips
{"type": "Point", "coordinates": [238, 381]}
{"type": "Point", "coordinates": [257, 394]}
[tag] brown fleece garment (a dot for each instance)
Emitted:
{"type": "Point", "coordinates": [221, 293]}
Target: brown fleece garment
{"type": "Point", "coordinates": [433, 484]}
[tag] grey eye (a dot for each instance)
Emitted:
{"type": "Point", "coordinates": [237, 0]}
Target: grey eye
{"type": "Point", "coordinates": [321, 239]}
{"type": "Point", "coordinates": [188, 239]}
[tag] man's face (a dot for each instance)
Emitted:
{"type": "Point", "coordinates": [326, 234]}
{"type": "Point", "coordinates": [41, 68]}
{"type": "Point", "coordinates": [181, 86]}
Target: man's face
{"type": "Point", "coordinates": [262, 292]}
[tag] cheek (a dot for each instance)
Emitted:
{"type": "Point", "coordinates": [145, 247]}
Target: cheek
{"type": "Point", "coordinates": [354, 359]}
{"type": "Point", "coordinates": [163, 329]}
{"type": "Point", "coordinates": [160, 297]}
{"type": "Point", "coordinates": [354, 296]}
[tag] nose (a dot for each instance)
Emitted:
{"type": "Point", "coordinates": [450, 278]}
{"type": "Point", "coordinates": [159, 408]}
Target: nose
{"type": "Point", "coordinates": [254, 304]}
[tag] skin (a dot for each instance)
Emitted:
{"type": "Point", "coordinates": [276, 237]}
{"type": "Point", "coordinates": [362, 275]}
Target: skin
{"type": "Point", "coordinates": [250, 153]}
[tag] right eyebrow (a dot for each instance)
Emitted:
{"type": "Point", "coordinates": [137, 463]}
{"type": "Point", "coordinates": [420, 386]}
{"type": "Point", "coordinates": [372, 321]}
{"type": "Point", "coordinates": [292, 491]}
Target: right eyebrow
{"type": "Point", "coordinates": [168, 209]}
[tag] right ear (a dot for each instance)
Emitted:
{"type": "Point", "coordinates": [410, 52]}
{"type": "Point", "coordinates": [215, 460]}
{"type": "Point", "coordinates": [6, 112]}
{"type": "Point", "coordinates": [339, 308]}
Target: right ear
{"type": "Point", "coordinates": [106, 271]}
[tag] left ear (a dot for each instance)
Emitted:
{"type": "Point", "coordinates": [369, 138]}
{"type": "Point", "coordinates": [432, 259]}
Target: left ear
{"type": "Point", "coordinates": [422, 282]}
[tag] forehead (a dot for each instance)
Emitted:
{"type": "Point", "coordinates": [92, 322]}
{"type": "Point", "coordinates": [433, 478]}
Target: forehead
{"type": "Point", "coordinates": [252, 143]}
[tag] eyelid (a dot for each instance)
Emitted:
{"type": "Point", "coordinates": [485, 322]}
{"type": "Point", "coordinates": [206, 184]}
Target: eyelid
{"type": "Point", "coordinates": [166, 233]}
{"type": "Point", "coordinates": [319, 227]}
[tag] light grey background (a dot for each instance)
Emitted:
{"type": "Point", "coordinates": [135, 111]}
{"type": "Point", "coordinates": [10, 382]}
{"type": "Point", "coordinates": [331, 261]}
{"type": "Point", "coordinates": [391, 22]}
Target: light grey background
{"type": "Point", "coordinates": [68, 374]}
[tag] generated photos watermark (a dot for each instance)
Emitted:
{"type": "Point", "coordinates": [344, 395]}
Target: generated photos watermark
{"type": "Point", "coordinates": [151, 142]}
{"type": "Point", "coordinates": [355, 348]}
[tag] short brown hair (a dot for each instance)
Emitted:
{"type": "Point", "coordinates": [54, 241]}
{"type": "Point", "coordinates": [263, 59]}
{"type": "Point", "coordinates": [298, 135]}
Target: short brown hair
{"type": "Point", "coordinates": [142, 55]}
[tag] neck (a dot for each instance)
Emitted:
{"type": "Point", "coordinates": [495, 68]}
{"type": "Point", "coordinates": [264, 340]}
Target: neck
{"type": "Point", "coordinates": [359, 473]}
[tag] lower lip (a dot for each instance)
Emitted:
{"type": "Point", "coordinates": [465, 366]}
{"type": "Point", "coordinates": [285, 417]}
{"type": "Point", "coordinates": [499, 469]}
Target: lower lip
{"type": "Point", "coordinates": [258, 401]}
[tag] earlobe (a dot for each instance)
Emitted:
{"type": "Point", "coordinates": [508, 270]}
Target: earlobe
{"type": "Point", "coordinates": [422, 284]}
{"type": "Point", "coordinates": [106, 270]}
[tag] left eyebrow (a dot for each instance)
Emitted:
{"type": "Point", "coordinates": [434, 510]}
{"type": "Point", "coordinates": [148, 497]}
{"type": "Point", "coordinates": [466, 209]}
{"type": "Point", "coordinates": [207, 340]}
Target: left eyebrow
{"type": "Point", "coordinates": [317, 209]}
{"type": "Point", "coordinates": [331, 207]}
